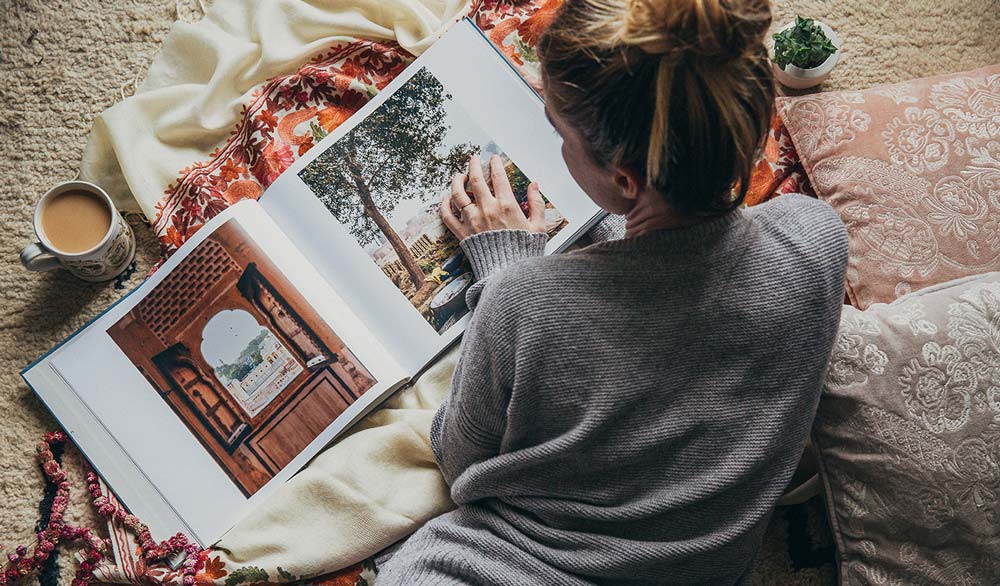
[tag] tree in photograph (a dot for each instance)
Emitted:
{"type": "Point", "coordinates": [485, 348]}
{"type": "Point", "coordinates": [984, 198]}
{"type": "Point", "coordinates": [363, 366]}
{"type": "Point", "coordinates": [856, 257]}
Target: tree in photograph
{"type": "Point", "coordinates": [518, 181]}
{"type": "Point", "coordinates": [398, 153]}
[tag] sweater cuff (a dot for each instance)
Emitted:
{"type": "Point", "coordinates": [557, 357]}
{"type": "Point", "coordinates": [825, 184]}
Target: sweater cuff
{"type": "Point", "coordinates": [495, 249]}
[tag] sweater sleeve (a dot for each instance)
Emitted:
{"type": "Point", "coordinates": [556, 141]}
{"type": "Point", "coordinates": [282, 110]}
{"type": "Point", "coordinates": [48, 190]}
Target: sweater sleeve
{"type": "Point", "coordinates": [469, 425]}
{"type": "Point", "coordinates": [490, 251]}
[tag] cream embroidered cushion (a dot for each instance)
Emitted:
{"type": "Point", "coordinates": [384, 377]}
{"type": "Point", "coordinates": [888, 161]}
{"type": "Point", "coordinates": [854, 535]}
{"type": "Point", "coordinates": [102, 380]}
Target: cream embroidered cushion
{"type": "Point", "coordinates": [908, 435]}
{"type": "Point", "coordinates": [913, 169]}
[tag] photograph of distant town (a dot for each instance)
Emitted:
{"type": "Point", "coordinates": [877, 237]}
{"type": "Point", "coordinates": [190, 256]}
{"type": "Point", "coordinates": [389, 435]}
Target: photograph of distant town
{"type": "Point", "coordinates": [384, 180]}
{"type": "Point", "coordinates": [241, 357]}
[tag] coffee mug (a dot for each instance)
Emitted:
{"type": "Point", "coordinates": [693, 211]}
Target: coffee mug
{"type": "Point", "coordinates": [79, 229]}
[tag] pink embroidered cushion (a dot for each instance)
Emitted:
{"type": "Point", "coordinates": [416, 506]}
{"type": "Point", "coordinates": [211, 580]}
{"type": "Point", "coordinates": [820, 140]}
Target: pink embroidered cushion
{"type": "Point", "coordinates": [913, 169]}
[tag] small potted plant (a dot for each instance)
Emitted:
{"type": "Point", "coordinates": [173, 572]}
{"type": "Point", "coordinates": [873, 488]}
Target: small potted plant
{"type": "Point", "coordinates": [805, 51]}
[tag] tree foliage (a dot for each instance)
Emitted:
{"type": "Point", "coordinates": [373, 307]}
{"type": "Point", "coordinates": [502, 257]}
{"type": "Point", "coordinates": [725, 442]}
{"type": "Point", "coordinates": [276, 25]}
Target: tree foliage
{"type": "Point", "coordinates": [518, 181]}
{"type": "Point", "coordinates": [248, 359]}
{"type": "Point", "coordinates": [397, 153]}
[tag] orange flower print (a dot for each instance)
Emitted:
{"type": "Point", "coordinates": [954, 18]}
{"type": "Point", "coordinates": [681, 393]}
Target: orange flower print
{"type": "Point", "coordinates": [342, 82]}
{"type": "Point", "coordinates": [244, 189]}
{"type": "Point", "coordinates": [267, 118]}
{"type": "Point", "coordinates": [332, 117]}
{"type": "Point", "coordinates": [532, 28]}
{"type": "Point", "coordinates": [772, 152]}
{"type": "Point", "coordinates": [286, 128]}
{"type": "Point", "coordinates": [272, 162]}
{"type": "Point", "coordinates": [214, 569]}
{"type": "Point", "coordinates": [346, 577]}
{"type": "Point", "coordinates": [352, 69]}
{"type": "Point", "coordinates": [230, 170]}
{"type": "Point", "coordinates": [500, 32]}
{"type": "Point", "coordinates": [761, 183]}
{"type": "Point", "coordinates": [191, 230]}
{"type": "Point", "coordinates": [173, 238]}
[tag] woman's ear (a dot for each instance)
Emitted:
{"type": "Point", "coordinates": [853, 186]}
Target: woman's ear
{"type": "Point", "coordinates": [630, 182]}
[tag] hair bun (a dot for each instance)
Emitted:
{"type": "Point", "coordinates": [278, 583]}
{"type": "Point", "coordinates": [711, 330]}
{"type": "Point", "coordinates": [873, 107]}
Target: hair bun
{"type": "Point", "coordinates": [717, 30]}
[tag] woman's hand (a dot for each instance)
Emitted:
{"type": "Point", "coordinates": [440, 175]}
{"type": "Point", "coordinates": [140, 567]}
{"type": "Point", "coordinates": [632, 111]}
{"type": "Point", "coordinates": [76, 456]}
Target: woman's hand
{"type": "Point", "coordinates": [484, 211]}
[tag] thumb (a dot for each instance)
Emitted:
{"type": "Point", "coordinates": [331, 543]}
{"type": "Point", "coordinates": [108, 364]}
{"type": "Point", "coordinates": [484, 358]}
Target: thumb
{"type": "Point", "coordinates": [536, 206]}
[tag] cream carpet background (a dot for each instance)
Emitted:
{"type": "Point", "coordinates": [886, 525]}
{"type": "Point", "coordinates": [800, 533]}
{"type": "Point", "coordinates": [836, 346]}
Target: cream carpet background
{"type": "Point", "coordinates": [63, 62]}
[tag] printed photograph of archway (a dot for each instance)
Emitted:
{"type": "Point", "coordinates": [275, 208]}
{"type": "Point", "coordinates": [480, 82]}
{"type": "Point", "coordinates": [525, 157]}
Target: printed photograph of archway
{"type": "Point", "coordinates": [241, 357]}
{"type": "Point", "coordinates": [384, 179]}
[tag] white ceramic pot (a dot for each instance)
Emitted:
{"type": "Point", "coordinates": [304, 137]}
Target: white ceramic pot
{"type": "Point", "coordinates": [800, 79]}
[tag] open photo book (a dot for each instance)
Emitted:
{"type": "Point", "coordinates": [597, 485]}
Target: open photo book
{"type": "Point", "coordinates": [284, 320]}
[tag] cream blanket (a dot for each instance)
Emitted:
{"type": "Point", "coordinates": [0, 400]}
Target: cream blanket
{"type": "Point", "coordinates": [364, 493]}
{"type": "Point", "coordinates": [207, 71]}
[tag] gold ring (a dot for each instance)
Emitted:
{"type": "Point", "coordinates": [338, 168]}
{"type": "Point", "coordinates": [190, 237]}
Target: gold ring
{"type": "Point", "coordinates": [466, 205]}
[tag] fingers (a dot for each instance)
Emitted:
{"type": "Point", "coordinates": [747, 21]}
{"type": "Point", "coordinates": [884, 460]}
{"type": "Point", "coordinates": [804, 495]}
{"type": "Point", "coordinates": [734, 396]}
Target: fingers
{"type": "Point", "coordinates": [536, 206]}
{"type": "Point", "coordinates": [458, 194]}
{"type": "Point", "coordinates": [448, 215]}
{"type": "Point", "coordinates": [492, 205]}
{"type": "Point", "coordinates": [480, 191]}
{"type": "Point", "coordinates": [501, 185]}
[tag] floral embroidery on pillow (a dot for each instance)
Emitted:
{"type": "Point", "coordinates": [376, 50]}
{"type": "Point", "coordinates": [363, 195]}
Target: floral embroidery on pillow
{"type": "Point", "coordinates": [983, 171]}
{"type": "Point", "coordinates": [909, 227]}
{"type": "Point", "coordinates": [911, 314]}
{"type": "Point", "coordinates": [975, 474]}
{"type": "Point", "coordinates": [913, 169]}
{"type": "Point", "coordinates": [920, 140]}
{"type": "Point", "coordinates": [974, 324]}
{"type": "Point", "coordinates": [956, 210]}
{"type": "Point", "coordinates": [913, 441]}
{"type": "Point", "coordinates": [972, 103]}
{"type": "Point", "coordinates": [853, 360]}
{"type": "Point", "coordinates": [900, 241]}
{"type": "Point", "coordinates": [832, 119]}
{"type": "Point", "coordinates": [941, 388]}
{"type": "Point", "coordinates": [896, 94]}
{"type": "Point", "coordinates": [937, 388]}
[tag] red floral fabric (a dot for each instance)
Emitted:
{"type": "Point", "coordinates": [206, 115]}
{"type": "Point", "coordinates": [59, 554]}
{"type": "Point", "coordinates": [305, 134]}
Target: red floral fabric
{"type": "Point", "coordinates": [284, 119]}
{"type": "Point", "coordinates": [289, 114]}
{"type": "Point", "coordinates": [779, 170]}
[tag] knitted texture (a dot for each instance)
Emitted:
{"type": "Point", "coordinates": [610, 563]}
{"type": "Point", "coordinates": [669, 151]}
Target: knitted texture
{"type": "Point", "coordinates": [630, 413]}
{"type": "Point", "coordinates": [489, 252]}
{"type": "Point", "coordinates": [612, 227]}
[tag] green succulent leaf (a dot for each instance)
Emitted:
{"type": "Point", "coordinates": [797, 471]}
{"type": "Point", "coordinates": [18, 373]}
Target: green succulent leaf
{"type": "Point", "coordinates": [803, 45]}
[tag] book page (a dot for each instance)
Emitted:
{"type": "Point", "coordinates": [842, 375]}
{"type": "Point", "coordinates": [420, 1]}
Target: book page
{"type": "Point", "coordinates": [225, 372]}
{"type": "Point", "coordinates": [363, 203]}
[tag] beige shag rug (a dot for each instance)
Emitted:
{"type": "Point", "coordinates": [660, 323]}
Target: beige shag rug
{"type": "Point", "coordinates": [63, 62]}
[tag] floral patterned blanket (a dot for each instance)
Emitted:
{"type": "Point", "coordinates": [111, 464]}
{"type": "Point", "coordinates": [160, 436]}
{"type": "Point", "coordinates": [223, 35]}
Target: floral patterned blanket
{"type": "Point", "coordinates": [192, 142]}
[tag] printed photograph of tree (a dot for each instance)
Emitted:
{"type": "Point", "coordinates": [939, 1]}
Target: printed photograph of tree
{"type": "Point", "coordinates": [384, 179]}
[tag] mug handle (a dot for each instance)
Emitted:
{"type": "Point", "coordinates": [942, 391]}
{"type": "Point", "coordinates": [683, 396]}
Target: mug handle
{"type": "Point", "coordinates": [37, 259]}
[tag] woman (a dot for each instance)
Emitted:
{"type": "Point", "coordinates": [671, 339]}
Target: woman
{"type": "Point", "coordinates": [629, 413]}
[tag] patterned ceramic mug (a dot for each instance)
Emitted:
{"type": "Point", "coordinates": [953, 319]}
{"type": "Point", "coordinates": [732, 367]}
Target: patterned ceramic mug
{"type": "Point", "coordinates": [101, 262]}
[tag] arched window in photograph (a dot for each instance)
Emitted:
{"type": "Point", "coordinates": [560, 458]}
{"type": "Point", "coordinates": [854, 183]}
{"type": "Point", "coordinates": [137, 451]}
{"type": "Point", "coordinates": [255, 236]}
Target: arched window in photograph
{"type": "Point", "coordinates": [247, 359]}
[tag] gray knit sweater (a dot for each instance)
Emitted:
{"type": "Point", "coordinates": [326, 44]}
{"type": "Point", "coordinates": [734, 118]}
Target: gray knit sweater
{"type": "Point", "coordinates": [629, 413]}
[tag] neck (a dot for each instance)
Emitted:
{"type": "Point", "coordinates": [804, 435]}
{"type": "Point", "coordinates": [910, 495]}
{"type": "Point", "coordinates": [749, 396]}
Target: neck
{"type": "Point", "coordinates": [651, 213]}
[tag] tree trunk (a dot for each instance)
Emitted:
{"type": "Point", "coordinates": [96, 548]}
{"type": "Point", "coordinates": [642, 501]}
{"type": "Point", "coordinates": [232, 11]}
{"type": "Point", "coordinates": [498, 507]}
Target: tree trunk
{"type": "Point", "coordinates": [406, 257]}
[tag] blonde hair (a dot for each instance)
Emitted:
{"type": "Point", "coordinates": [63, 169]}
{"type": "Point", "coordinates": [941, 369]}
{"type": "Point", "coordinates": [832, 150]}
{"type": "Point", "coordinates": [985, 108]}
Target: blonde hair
{"type": "Point", "coordinates": [680, 90]}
